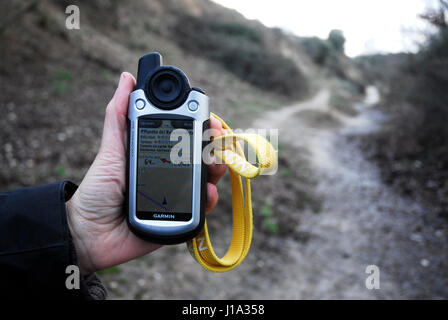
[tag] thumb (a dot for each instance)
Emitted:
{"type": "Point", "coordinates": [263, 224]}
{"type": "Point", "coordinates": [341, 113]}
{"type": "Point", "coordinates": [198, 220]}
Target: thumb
{"type": "Point", "coordinates": [114, 131]}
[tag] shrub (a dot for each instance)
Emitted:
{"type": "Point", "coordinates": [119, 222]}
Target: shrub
{"type": "Point", "coordinates": [241, 50]}
{"type": "Point", "coordinates": [318, 49]}
{"type": "Point", "coordinates": [415, 146]}
{"type": "Point", "coordinates": [237, 30]}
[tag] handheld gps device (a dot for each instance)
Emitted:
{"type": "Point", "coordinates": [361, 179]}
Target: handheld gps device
{"type": "Point", "coordinates": [166, 175]}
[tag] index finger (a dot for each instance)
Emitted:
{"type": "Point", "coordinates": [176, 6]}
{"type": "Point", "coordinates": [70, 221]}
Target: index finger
{"type": "Point", "coordinates": [215, 170]}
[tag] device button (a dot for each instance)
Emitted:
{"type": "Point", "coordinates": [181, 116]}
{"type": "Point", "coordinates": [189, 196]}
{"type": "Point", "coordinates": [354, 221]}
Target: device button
{"type": "Point", "coordinates": [193, 105]}
{"type": "Point", "coordinates": [140, 104]}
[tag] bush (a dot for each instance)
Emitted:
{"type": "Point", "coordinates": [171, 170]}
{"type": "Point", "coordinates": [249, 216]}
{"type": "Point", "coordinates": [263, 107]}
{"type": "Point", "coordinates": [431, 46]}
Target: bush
{"type": "Point", "coordinates": [318, 49]}
{"type": "Point", "coordinates": [414, 149]}
{"type": "Point", "coordinates": [327, 53]}
{"type": "Point", "coordinates": [428, 93]}
{"type": "Point", "coordinates": [241, 50]}
{"type": "Point", "coordinates": [237, 30]}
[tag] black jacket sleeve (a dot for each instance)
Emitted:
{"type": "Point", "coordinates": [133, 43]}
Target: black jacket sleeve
{"type": "Point", "coordinates": [36, 246]}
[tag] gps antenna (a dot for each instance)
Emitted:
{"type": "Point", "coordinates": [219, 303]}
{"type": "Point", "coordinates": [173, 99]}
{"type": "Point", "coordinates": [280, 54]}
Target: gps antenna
{"type": "Point", "coordinates": [146, 64]}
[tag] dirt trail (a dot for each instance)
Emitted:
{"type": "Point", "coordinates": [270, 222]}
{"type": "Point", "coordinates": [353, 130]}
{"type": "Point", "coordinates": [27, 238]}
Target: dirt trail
{"type": "Point", "coordinates": [361, 222]}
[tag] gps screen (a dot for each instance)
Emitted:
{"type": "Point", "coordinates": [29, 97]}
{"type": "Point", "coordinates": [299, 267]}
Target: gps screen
{"type": "Point", "coordinates": [164, 183]}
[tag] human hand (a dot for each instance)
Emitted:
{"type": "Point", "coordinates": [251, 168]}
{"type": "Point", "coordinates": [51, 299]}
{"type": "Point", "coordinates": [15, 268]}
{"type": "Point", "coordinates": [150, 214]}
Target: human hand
{"type": "Point", "coordinates": [95, 212]}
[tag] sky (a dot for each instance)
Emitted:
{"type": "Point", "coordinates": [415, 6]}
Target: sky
{"type": "Point", "coordinates": [369, 26]}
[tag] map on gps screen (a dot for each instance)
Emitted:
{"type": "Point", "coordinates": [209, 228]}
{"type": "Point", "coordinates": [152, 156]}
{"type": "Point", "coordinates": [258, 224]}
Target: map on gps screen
{"type": "Point", "coordinates": [164, 184]}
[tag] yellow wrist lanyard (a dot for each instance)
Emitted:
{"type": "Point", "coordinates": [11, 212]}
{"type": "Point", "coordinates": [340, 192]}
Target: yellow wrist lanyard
{"type": "Point", "coordinates": [233, 156]}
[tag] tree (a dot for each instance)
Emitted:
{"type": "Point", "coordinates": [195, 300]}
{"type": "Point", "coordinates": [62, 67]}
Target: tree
{"type": "Point", "coordinates": [437, 16]}
{"type": "Point", "coordinates": [337, 40]}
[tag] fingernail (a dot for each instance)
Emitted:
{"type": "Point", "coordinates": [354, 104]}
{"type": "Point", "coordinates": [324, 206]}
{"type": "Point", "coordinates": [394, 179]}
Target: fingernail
{"type": "Point", "coordinates": [122, 76]}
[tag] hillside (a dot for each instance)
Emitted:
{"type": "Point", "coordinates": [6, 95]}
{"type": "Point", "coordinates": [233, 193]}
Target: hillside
{"type": "Point", "coordinates": [68, 76]}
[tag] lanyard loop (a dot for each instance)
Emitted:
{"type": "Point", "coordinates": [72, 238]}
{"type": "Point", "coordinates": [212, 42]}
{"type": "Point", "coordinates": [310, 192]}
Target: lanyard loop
{"type": "Point", "coordinates": [233, 156]}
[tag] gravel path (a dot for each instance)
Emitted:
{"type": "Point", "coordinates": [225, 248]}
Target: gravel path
{"type": "Point", "coordinates": [362, 221]}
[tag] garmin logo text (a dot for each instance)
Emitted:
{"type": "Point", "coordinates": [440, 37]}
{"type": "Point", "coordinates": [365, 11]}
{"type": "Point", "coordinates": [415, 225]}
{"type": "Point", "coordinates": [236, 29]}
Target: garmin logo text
{"type": "Point", "coordinates": [163, 216]}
